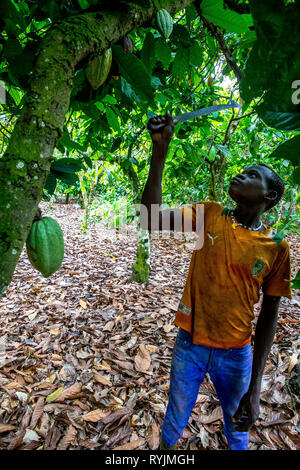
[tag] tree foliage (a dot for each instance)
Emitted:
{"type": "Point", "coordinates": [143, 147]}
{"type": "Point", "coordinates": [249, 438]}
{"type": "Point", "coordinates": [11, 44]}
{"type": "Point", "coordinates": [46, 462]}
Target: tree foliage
{"type": "Point", "coordinates": [217, 50]}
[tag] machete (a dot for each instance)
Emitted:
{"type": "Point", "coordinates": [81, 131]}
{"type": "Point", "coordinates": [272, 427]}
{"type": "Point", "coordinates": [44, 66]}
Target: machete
{"type": "Point", "coordinates": [204, 111]}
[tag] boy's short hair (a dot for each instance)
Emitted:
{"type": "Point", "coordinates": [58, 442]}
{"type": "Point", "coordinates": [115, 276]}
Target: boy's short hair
{"type": "Point", "coordinates": [276, 184]}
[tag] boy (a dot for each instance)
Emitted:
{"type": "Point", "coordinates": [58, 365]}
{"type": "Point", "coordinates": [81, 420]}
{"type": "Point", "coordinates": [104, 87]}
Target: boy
{"type": "Point", "coordinates": [238, 257]}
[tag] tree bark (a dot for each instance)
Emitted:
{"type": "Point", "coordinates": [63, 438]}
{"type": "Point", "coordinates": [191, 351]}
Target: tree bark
{"type": "Point", "coordinates": [141, 266]}
{"type": "Point", "coordinates": [26, 162]}
{"type": "Point", "coordinates": [88, 193]}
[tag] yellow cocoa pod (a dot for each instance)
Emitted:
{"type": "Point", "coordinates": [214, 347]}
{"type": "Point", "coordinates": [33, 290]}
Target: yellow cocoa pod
{"type": "Point", "coordinates": [210, 81]}
{"type": "Point", "coordinates": [98, 69]}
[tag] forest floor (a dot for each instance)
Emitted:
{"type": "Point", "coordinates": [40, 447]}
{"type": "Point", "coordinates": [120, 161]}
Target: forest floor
{"type": "Point", "coordinates": [86, 353]}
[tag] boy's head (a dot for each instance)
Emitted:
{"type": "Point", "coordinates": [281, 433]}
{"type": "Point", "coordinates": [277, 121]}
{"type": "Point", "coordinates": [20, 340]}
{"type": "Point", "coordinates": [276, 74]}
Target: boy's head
{"type": "Point", "coordinates": [257, 186]}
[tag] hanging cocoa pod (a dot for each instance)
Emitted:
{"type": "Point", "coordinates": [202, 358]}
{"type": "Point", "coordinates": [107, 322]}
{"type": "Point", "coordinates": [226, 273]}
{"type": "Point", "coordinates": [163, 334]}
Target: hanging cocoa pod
{"type": "Point", "coordinates": [164, 22]}
{"type": "Point", "coordinates": [98, 69]}
{"type": "Point", "coordinates": [127, 44]}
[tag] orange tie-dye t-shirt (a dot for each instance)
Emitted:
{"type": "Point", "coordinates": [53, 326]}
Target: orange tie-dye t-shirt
{"type": "Point", "coordinates": [225, 277]}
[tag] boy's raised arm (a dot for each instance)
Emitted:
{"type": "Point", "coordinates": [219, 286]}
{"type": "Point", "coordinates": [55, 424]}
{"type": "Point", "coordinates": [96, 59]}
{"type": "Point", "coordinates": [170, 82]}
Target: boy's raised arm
{"type": "Point", "coordinates": [161, 129]}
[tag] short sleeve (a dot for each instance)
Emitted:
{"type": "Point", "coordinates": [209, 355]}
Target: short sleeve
{"type": "Point", "coordinates": [192, 215]}
{"type": "Point", "coordinates": [276, 282]}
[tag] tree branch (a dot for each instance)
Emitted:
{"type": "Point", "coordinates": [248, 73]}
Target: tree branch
{"type": "Point", "coordinates": [215, 32]}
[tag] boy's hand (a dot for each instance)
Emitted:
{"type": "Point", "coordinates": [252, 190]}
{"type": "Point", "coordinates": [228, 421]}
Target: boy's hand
{"type": "Point", "coordinates": [247, 412]}
{"type": "Point", "coordinates": [161, 128]}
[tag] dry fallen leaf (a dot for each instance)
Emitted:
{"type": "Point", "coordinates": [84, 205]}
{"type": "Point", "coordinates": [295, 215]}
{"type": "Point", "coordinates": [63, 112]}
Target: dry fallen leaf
{"type": "Point", "coordinates": [38, 411]}
{"type": "Point", "coordinates": [54, 332]}
{"type": "Point", "coordinates": [214, 416]}
{"type": "Point", "coordinates": [69, 392]}
{"type": "Point", "coordinates": [68, 438]}
{"type": "Point", "coordinates": [83, 304]}
{"type": "Point", "coordinates": [16, 440]}
{"type": "Point", "coordinates": [89, 444]}
{"type": "Point", "coordinates": [101, 380]}
{"type": "Point", "coordinates": [153, 441]}
{"type": "Point", "coordinates": [142, 360]}
{"type": "Point", "coordinates": [6, 427]}
{"type": "Point", "coordinates": [293, 362]}
{"type": "Point", "coordinates": [95, 415]}
{"type": "Point", "coordinates": [130, 445]}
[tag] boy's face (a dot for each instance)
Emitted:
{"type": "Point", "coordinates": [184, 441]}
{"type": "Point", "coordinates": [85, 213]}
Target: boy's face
{"type": "Point", "coordinates": [251, 187]}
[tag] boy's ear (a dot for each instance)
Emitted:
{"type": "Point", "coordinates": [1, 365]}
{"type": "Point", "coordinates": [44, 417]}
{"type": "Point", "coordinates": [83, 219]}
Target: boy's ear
{"type": "Point", "coordinates": [271, 196]}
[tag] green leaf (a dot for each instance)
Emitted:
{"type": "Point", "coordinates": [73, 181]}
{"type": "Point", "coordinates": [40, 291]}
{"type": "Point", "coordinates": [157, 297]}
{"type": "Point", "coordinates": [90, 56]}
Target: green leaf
{"type": "Point", "coordinates": [296, 175]}
{"type": "Point", "coordinates": [148, 51]}
{"type": "Point", "coordinates": [181, 62]}
{"type": "Point", "coordinates": [196, 55]}
{"type": "Point", "coordinates": [109, 99]}
{"type": "Point", "coordinates": [67, 143]}
{"type": "Point", "coordinates": [282, 121]}
{"type": "Point", "coordinates": [134, 161]}
{"type": "Point", "coordinates": [180, 36]}
{"type": "Point", "coordinates": [212, 154]}
{"type": "Point", "coordinates": [11, 28]}
{"type": "Point", "coordinates": [54, 395]}
{"type": "Point", "coordinates": [12, 48]}
{"type": "Point", "coordinates": [23, 64]}
{"type": "Point", "coordinates": [190, 14]}
{"type": "Point", "coordinates": [99, 105]}
{"type": "Point", "coordinates": [213, 10]}
{"type": "Point", "coordinates": [212, 45]}
{"type": "Point", "coordinates": [15, 94]}
{"type": "Point", "coordinates": [70, 179]}
{"type": "Point", "coordinates": [88, 161]}
{"type": "Point", "coordinates": [128, 91]}
{"type": "Point", "coordinates": [150, 114]}
{"type": "Point", "coordinates": [134, 72]}
{"type": "Point", "coordinates": [162, 52]}
{"type": "Point", "coordinates": [112, 120]}
{"type": "Point", "coordinates": [116, 144]}
{"type": "Point", "coordinates": [50, 183]}
{"type": "Point", "coordinates": [67, 165]}
{"type": "Point", "coordinates": [11, 12]}
{"type": "Point", "coordinates": [296, 281]}
{"type": "Point", "coordinates": [223, 149]}
{"type": "Point", "coordinates": [156, 83]}
{"type": "Point", "coordinates": [288, 150]}
{"type": "Point", "coordinates": [84, 4]}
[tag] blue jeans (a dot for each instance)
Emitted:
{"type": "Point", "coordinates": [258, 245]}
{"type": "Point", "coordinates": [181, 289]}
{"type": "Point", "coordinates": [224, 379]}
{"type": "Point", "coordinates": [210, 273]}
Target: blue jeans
{"type": "Point", "coordinates": [230, 372]}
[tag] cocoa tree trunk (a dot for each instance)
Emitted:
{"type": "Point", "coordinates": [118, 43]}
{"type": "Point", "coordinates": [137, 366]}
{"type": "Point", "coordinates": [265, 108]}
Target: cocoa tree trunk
{"type": "Point", "coordinates": [88, 193]}
{"type": "Point", "coordinates": [26, 162]}
{"type": "Point", "coordinates": [141, 266]}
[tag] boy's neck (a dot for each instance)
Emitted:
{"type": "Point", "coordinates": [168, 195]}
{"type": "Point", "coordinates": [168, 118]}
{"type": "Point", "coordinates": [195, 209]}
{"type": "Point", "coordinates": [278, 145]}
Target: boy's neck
{"type": "Point", "coordinates": [248, 216]}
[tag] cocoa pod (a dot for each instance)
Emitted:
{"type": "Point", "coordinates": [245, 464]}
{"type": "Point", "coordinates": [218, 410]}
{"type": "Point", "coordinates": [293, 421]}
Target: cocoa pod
{"type": "Point", "coordinates": [127, 44]}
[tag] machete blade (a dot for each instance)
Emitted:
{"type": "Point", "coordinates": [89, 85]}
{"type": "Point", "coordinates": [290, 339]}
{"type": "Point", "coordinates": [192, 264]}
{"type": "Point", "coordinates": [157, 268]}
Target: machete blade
{"type": "Point", "coordinates": [203, 111]}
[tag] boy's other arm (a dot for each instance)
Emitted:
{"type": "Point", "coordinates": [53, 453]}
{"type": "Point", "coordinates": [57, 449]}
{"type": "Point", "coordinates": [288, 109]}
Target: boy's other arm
{"type": "Point", "coordinates": [248, 410]}
{"type": "Point", "coordinates": [161, 130]}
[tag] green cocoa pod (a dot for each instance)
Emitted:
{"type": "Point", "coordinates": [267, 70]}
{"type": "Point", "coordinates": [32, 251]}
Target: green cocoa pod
{"type": "Point", "coordinates": [98, 69]}
{"type": "Point", "coordinates": [45, 246]}
{"type": "Point", "coordinates": [165, 22]}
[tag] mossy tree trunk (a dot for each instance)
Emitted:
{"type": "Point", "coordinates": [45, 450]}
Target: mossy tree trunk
{"type": "Point", "coordinates": [88, 193]}
{"type": "Point", "coordinates": [26, 162]}
{"type": "Point", "coordinates": [141, 266]}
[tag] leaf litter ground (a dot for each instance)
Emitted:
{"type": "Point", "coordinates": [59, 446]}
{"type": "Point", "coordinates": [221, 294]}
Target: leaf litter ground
{"type": "Point", "coordinates": [85, 355]}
